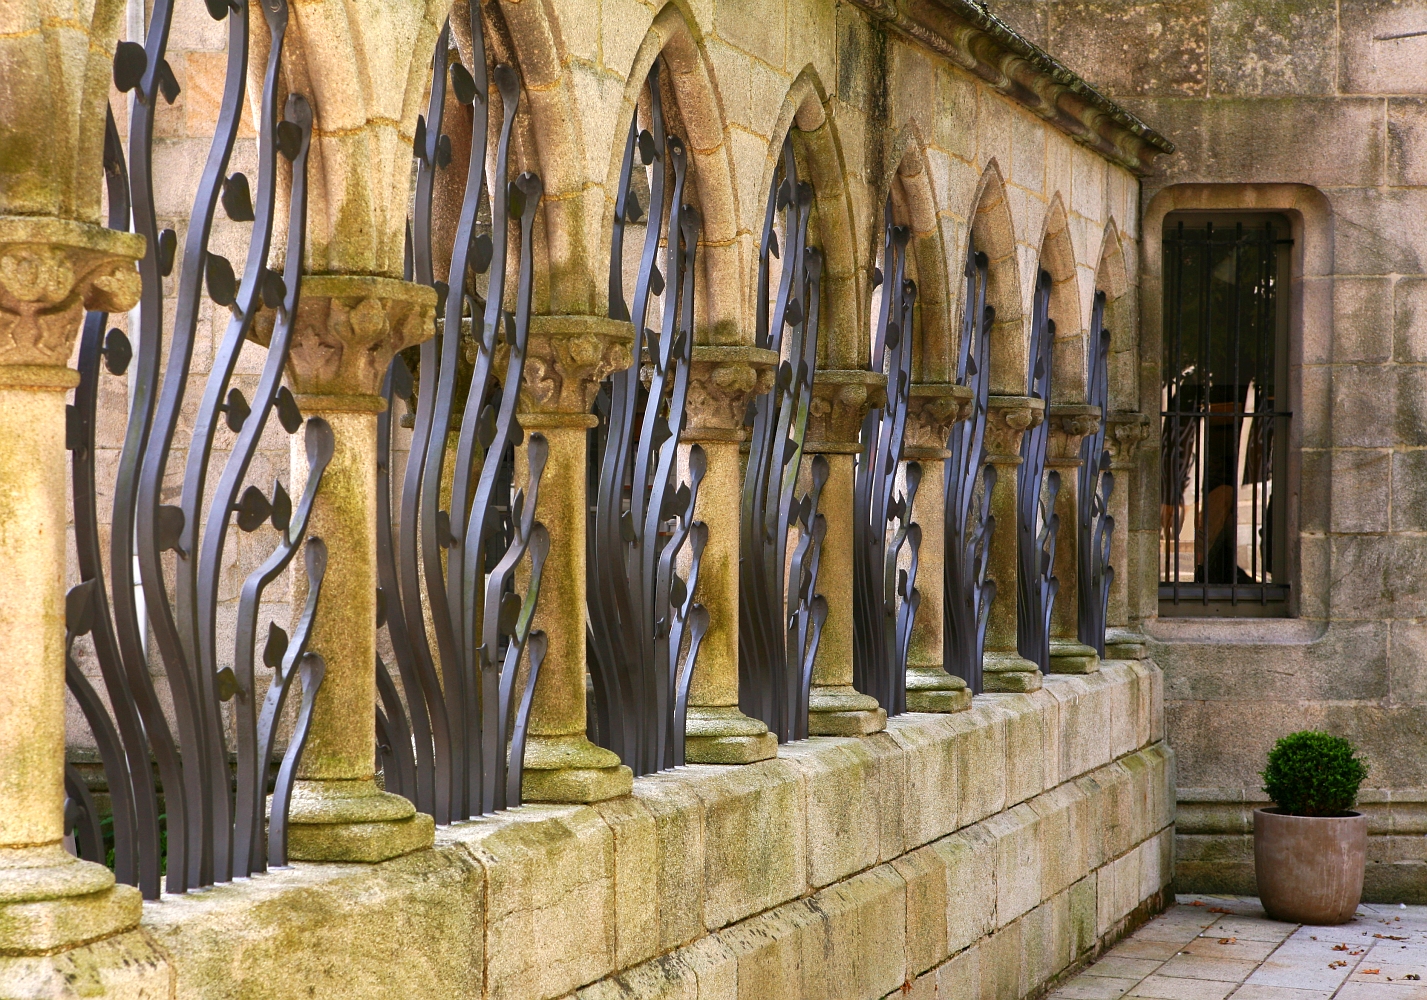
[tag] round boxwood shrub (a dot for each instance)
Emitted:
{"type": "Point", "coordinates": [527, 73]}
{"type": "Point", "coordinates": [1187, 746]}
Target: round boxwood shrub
{"type": "Point", "coordinates": [1312, 773]}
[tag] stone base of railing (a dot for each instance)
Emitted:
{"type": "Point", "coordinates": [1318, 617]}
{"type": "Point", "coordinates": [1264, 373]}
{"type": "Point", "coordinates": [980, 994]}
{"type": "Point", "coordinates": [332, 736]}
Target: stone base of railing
{"type": "Point", "coordinates": [985, 851]}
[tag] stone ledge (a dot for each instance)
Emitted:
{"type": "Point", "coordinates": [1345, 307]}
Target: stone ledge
{"type": "Point", "coordinates": [992, 818]}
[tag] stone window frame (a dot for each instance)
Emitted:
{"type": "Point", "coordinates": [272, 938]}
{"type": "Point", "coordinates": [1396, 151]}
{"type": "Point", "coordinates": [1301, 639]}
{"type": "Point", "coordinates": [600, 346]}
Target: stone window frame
{"type": "Point", "coordinates": [1310, 325]}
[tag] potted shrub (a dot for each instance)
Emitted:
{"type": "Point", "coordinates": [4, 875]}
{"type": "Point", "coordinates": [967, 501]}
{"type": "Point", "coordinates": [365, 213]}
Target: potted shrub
{"type": "Point", "coordinates": [1309, 851]}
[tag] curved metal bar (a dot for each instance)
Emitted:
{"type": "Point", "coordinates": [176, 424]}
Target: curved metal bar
{"type": "Point", "coordinates": [82, 816]}
{"type": "Point", "coordinates": [313, 669]}
{"type": "Point", "coordinates": [968, 476]}
{"type": "Point", "coordinates": [129, 629]}
{"type": "Point", "coordinates": [252, 770]}
{"type": "Point", "coordinates": [770, 668]}
{"type": "Point", "coordinates": [195, 699]}
{"type": "Point", "coordinates": [1036, 524]}
{"type": "Point", "coordinates": [315, 558]}
{"type": "Point", "coordinates": [616, 622]}
{"type": "Point", "coordinates": [434, 787]}
{"type": "Point", "coordinates": [884, 599]}
{"type": "Point", "coordinates": [79, 612]}
{"type": "Point", "coordinates": [1096, 482]}
{"type": "Point", "coordinates": [394, 740]}
{"type": "Point", "coordinates": [638, 604]}
{"type": "Point", "coordinates": [200, 568]}
{"type": "Point", "coordinates": [426, 711]}
{"type": "Point", "coordinates": [136, 852]}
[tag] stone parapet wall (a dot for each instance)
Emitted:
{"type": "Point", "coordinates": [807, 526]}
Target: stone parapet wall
{"type": "Point", "coordinates": [986, 850]}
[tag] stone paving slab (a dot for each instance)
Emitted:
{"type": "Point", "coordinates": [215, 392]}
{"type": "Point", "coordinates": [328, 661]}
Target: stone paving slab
{"type": "Point", "coordinates": [1226, 948]}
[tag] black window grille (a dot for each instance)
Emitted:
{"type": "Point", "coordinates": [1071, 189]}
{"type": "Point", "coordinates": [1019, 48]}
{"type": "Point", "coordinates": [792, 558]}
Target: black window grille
{"type": "Point", "coordinates": [1224, 417]}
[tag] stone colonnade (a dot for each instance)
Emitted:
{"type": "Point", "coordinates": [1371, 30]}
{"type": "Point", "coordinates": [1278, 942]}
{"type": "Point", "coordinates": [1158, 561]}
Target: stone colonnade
{"type": "Point", "coordinates": [364, 70]}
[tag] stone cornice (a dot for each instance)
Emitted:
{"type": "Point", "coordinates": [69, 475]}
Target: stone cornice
{"type": "Point", "coordinates": [983, 44]}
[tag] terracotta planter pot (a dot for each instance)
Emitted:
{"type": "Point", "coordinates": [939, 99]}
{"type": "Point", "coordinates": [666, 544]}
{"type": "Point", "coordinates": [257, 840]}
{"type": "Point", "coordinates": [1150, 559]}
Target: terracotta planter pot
{"type": "Point", "coordinates": [1310, 868]}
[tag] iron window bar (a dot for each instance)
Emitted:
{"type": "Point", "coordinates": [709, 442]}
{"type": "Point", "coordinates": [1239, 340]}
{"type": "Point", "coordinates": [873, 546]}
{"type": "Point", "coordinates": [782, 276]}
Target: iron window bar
{"type": "Point", "coordinates": [1223, 427]}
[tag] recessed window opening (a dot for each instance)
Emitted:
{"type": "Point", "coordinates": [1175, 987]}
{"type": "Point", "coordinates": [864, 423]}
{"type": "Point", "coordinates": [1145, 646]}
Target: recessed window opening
{"type": "Point", "coordinates": [1224, 416]}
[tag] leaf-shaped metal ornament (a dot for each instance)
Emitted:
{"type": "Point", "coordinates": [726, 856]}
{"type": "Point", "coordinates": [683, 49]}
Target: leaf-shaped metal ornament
{"type": "Point", "coordinates": [272, 287]}
{"type": "Point", "coordinates": [79, 608]}
{"type": "Point", "coordinates": [227, 684]}
{"type": "Point", "coordinates": [117, 352]}
{"type": "Point", "coordinates": [443, 152]}
{"type": "Point", "coordinates": [217, 9]}
{"type": "Point", "coordinates": [647, 147]}
{"type": "Point", "coordinates": [236, 410]}
{"type": "Point", "coordinates": [218, 274]}
{"type": "Point", "coordinates": [238, 198]}
{"type": "Point", "coordinates": [168, 83]}
{"type": "Point", "coordinates": [167, 249]}
{"type": "Point", "coordinates": [288, 139]}
{"type": "Point", "coordinates": [252, 509]}
{"type": "Point", "coordinates": [282, 507]}
{"type": "Point", "coordinates": [287, 412]}
{"type": "Point", "coordinates": [130, 61]}
{"type": "Point", "coordinates": [169, 528]}
{"type": "Point", "coordinates": [633, 212]}
{"type": "Point", "coordinates": [463, 85]}
{"type": "Point", "coordinates": [276, 646]}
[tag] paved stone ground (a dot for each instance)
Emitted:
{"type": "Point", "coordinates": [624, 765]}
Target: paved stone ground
{"type": "Point", "coordinates": [1218, 947]}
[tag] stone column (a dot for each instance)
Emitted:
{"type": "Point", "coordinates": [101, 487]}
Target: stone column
{"type": "Point", "coordinates": [51, 270]}
{"type": "Point", "coordinates": [932, 409]}
{"type": "Point", "coordinates": [721, 382]}
{"type": "Point", "coordinates": [1123, 434]}
{"type": "Point", "coordinates": [1007, 419]}
{"type": "Point", "coordinates": [347, 329]}
{"type": "Point", "coordinates": [841, 398]}
{"type": "Point", "coordinates": [566, 358]}
{"type": "Point", "coordinates": [1069, 424]}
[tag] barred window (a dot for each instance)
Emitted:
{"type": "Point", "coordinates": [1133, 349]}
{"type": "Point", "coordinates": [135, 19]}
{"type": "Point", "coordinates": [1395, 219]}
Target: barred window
{"type": "Point", "coordinates": [1224, 417]}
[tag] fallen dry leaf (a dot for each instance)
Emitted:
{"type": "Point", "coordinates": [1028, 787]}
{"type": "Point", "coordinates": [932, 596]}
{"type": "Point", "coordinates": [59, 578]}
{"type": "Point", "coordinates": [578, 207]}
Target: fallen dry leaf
{"type": "Point", "coordinates": [1232, 940]}
{"type": "Point", "coordinates": [1371, 972]}
{"type": "Point", "coordinates": [1340, 947]}
{"type": "Point", "coordinates": [1337, 965]}
{"type": "Point", "coordinates": [1390, 937]}
{"type": "Point", "coordinates": [1219, 909]}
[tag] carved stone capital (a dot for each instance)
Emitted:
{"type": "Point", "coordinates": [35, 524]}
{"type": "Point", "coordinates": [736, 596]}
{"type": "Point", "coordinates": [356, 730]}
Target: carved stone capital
{"type": "Point", "coordinates": [1069, 424]}
{"type": "Point", "coordinates": [841, 398]}
{"type": "Point", "coordinates": [1123, 433]}
{"type": "Point", "coordinates": [566, 358]}
{"type": "Point", "coordinates": [932, 407]}
{"type": "Point", "coordinates": [348, 328]}
{"type": "Point", "coordinates": [721, 382]}
{"type": "Point", "coordinates": [51, 271]}
{"type": "Point", "coordinates": [1007, 418]}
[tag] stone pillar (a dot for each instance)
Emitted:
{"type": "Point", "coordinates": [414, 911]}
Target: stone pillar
{"type": "Point", "coordinates": [1007, 419]}
{"type": "Point", "coordinates": [1123, 434]}
{"type": "Point", "coordinates": [932, 409]}
{"type": "Point", "coordinates": [566, 358]}
{"type": "Point", "coordinates": [721, 382]}
{"type": "Point", "coordinates": [51, 270]}
{"type": "Point", "coordinates": [841, 398]}
{"type": "Point", "coordinates": [348, 328]}
{"type": "Point", "coordinates": [56, 261]}
{"type": "Point", "coordinates": [1069, 424]}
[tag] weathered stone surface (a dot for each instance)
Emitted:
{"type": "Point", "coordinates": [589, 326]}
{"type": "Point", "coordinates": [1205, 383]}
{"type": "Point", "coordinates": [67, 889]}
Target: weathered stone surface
{"type": "Point", "coordinates": [410, 927]}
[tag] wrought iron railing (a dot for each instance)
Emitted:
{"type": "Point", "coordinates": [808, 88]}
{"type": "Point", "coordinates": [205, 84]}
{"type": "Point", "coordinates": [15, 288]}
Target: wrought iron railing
{"type": "Point", "coordinates": [970, 480]}
{"type": "Point", "coordinates": [460, 533]}
{"type": "Point", "coordinates": [212, 794]}
{"type": "Point", "coordinates": [1037, 523]}
{"type": "Point", "coordinates": [644, 626]}
{"type": "Point", "coordinates": [1095, 574]}
{"type": "Point", "coordinates": [780, 612]}
{"type": "Point", "coordinates": [885, 598]}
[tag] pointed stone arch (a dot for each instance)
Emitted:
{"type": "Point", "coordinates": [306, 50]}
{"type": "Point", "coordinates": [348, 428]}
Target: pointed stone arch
{"type": "Point", "coordinates": [694, 115]}
{"type": "Point", "coordinates": [1113, 278]}
{"type": "Point", "coordinates": [914, 205]}
{"type": "Point", "coordinates": [993, 233]}
{"type": "Point", "coordinates": [1068, 351]}
{"type": "Point", "coordinates": [842, 339]}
